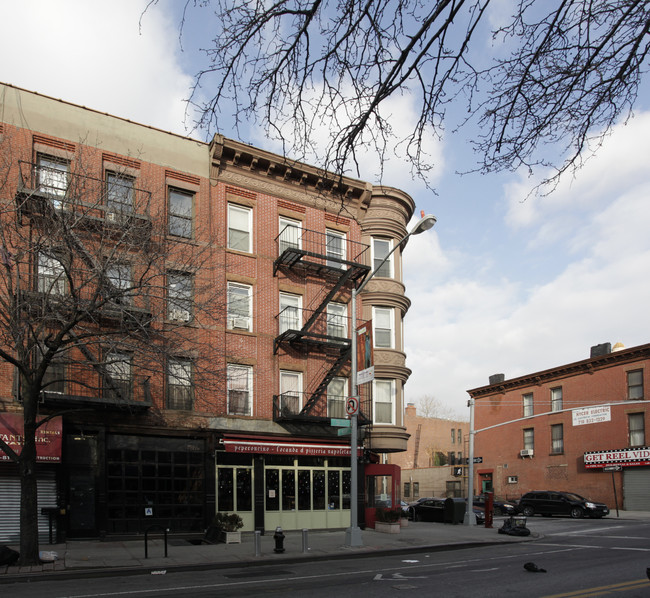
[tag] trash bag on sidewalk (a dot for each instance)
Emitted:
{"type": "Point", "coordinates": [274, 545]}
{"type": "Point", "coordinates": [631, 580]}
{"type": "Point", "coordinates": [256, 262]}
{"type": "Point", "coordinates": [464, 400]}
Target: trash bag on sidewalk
{"type": "Point", "coordinates": [8, 556]}
{"type": "Point", "coordinates": [513, 530]}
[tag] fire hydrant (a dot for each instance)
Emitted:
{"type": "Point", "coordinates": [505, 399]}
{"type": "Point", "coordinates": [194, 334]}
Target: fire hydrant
{"type": "Point", "coordinates": [278, 536]}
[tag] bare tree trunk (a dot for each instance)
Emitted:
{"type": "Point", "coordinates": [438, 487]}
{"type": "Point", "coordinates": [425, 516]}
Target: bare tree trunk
{"type": "Point", "coordinates": [28, 486]}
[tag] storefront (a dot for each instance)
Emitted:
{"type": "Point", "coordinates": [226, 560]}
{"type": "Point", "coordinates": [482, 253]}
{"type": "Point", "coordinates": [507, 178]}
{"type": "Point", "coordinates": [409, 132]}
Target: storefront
{"type": "Point", "coordinates": [634, 467]}
{"type": "Point", "coordinates": [293, 484]}
{"type": "Point", "coordinates": [48, 457]}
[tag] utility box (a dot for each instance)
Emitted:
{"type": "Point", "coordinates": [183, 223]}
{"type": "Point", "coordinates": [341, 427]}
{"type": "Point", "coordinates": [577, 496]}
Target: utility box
{"type": "Point", "coordinates": [454, 510]}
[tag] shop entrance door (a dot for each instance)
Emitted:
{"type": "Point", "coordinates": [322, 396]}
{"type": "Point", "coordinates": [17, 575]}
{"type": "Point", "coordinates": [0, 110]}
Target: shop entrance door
{"type": "Point", "coordinates": [81, 458]}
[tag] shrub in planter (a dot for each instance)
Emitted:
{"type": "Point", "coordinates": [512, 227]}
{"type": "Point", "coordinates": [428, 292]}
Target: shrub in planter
{"type": "Point", "coordinates": [388, 515]}
{"type": "Point", "coordinates": [222, 524]}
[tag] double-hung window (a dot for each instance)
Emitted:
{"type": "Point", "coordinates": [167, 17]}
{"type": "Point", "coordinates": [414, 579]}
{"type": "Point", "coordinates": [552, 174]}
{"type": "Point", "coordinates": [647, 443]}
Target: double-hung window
{"type": "Point", "coordinates": [337, 320]}
{"type": "Point", "coordinates": [384, 401]}
{"type": "Point", "coordinates": [120, 284]}
{"type": "Point", "coordinates": [51, 275]}
{"type": "Point", "coordinates": [335, 248]}
{"type": "Point", "coordinates": [240, 389]}
{"type": "Point", "coordinates": [527, 400]}
{"type": "Point", "coordinates": [383, 323]}
{"type": "Point", "coordinates": [290, 317]}
{"type": "Point", "coordinates": [239, 306]}
{"type": "Point", "coordinates": [119, 195]}
{"type": "Point", "coordinates": [290, 392]}
{"type": "Point", "coordinates": [53, 177]}
{"type": "Point", "coordinates": [240, 226]}
{"type": "Point", "coordinates": [380, 249]}
{"type": "Point", "coordinates": [290, 236]}
{"type": "Point", "coordinates": [336, 395]}
{"type": "Point", "coordinates": [180, 387]}
{"type": "Point", "coordinates": [180, 213]}
{"type": "Point", "coordinates": [117, 383]}
{"type": "Point", "coordinates": [529, 438]}
{"type": "Point", "coordinates": [556, 399]}
{"type": "Point", "coordinates": [557, 439]}
{"type": "Point", "coordinates": [636, 426]}
{"type": "Point", "coordinates": [180, 296]}
{"type": "Point", "coordinates": [635, 385]}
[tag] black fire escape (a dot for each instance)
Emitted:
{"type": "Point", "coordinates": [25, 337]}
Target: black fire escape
{"type": "Point", "coordinates": [338, 264]}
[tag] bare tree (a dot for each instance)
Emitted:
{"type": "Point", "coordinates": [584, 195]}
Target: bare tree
{"type": "Point", "coordinates": [558, 73]}
{"type": "Point", "coordinates": [89, 286]}
{"type": "Point", "coordinates": [430, 406]}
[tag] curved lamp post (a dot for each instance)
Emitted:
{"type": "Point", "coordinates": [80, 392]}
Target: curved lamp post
{"type": "Point", "coordinates": [353, 533]}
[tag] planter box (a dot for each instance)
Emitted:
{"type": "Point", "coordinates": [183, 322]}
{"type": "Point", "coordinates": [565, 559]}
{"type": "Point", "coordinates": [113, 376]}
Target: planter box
{"type": "Point", "coordinates": [230, 537]}
{"type": "Point", "coordinates": [404, 522]}
{"type": "Point", "coordinates": [387, 528]}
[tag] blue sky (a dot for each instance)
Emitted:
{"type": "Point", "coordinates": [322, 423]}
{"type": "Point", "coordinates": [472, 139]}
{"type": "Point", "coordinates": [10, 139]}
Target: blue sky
{"type": "Point", "coordinates": [500, 285]}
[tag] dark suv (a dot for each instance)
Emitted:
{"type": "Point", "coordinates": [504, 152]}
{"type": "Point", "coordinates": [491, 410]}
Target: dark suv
{"type": "Point", "coordinates": [549, 503]}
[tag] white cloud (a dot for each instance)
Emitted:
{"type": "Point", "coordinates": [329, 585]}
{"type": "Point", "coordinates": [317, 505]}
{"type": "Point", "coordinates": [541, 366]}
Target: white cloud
{"type": "Point", "coordinates": [92, 53]}
{"type": "Point", "coordinates": [465, 327]}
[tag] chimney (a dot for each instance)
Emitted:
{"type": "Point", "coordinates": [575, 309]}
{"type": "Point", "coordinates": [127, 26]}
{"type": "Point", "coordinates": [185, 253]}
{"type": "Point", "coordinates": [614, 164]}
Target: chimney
{"type": "Point", "coordinates": [410, 410]}
{"type": "Point", "coordinates": [497, 378]}
{"type": "Point", "coordinates": [602, 349]}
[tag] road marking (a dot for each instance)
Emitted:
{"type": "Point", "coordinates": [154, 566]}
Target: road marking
{"type": "Point", "coordinates": [626, 548]}
{"type": "Point", "coordinates": [602, 590]}
{"type": "Point", "coordinates": [398, 576]}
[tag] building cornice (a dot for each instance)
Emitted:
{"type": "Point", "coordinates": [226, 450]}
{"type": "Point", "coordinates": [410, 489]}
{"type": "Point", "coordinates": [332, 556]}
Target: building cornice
{"type": "Point", "coordinates": [585, 366]}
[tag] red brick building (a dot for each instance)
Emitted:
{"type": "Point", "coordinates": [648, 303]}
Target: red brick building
{"type": "Point", "coordinates": [578, 427]}
{"type": "Point", "coordinates": [239, 263]}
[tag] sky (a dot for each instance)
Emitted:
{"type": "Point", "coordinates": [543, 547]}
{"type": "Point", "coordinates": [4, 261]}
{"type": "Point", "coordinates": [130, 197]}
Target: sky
{"type": "Point", "coordinates": [504, 283]}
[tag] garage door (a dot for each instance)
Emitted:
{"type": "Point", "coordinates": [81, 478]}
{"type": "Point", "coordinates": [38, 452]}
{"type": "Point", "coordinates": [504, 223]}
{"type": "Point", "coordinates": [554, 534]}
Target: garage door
{"type": "Point", "coordinates": [10, 511]}
{"type": "Point", "coordinates": [636, 489]}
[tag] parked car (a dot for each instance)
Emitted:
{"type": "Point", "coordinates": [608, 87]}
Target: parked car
{"type": "Point", "coordinates": [549, 502]}
{"type": "Point", "coordinates": [433, 509]}
{"type": "Point", "coordinates": [404, 506]}
{"type": "Point", "coordinates": [499, 506]}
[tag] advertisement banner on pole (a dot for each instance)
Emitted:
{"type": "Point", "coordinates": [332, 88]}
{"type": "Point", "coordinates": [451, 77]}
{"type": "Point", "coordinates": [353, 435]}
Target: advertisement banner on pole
{"type": "Point", "coordinates": [365, 356]}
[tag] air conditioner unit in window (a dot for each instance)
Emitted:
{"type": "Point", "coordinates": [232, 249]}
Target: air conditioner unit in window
{"type": "Point", "coordinates": [111, 216]}
{"type": "Point", "coordinates": [512, 479]}
{"type": "Point", "coordinates": [179, 315]}
{"type": "Point", "coordinates": [526, 453]}
{"type": "Point", "coordinates": [240, 323]}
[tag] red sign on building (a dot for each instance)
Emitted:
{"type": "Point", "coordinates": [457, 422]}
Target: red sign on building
{"type": "Point", "coordinates": [48, 437]}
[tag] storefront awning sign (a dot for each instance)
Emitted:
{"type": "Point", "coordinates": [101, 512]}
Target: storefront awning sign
{"type": "Point", "coordinates": [264, 447]}
{"type": "Point", "coordinates": [48, 437]}
{"type": "Point", "coordinates": [624, 457]}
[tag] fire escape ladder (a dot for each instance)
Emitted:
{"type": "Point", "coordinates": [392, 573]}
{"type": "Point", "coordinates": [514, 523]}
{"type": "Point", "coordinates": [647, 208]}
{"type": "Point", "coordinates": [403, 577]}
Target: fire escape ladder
{"type": "Point", "coordinates": [322, 386]}
{"type": "Point", "coordinates": [417, 446]}
{"type": "Point", "coordinates": [323, 304]}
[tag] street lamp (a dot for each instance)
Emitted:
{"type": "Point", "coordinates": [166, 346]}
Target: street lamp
{"type": "Point", "coordinates": [353, 533]}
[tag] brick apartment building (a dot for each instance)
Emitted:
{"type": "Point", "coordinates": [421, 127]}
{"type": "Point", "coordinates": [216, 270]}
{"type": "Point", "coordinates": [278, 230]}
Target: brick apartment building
{"type": "Point", "coordinates": [579, 427]}
{"type": "Point", "coordinates": [434, 461]}
{"type": "Point", "coordinates": [251, 259]}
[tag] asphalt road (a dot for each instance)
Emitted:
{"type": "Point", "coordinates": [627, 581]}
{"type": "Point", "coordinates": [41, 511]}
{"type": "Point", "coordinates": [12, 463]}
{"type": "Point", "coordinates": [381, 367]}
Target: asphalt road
{"type": "Point", "coordinates": [582, 558]}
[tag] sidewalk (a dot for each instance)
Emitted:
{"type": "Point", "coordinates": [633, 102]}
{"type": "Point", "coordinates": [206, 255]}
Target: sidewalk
{"type": "Point", "coordinates": [95, 558]}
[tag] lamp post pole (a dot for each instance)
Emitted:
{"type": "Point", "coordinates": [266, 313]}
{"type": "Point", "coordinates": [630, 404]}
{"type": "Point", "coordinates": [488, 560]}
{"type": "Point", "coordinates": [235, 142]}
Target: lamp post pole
{"type": "Point", "coordinates": [353, 533]}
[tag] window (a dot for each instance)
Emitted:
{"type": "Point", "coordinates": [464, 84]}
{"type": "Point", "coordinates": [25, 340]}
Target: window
{"type": "Point", "coordinates": [459, 436]}
{"type": "Point", "coordinates": [240, 384]}
{"type": "Point", "coordinates": [179, 384]}
{"type": "Point", "coordinates": [120, 280]}
{"type": "Point", "coordinates": [557, 439]}
{"type": "Point", "coordinates": [290, 317]}
{"type": "Point", "coordinates": [51, 275]}
{"type": "Point", "coordinates": [239, 306]}
{"type": "Point", "coordinates": [119, 194]}
{"type": "Point", "coordinates": [180, 296]}
{"type": "Point", "coordinates": [336, 395]}
{"type": "Point", "coordinates": [54, 377]}
{"type": "Point", "coordinates": [380, 249]}
{"type": "Point", "coordinates": [416, 489]}
{"type": "Point", "coordinates": [384, 401]}
{"type": "Point", "coordinates": [556, 399]}
{"type": "Point", "coordinates": [529, 438]}
{"type": "Point", "coordinates": [240, 226]}
{"type": "Point", "coordinates": [290, 234]}
{"type": "Point", "coordinates": [636, 425]}
{"type": "Point", "coordinates": [382, 319]}
{"type": "Point", "coordinates": [635, 384]}
{"type": "Point", "coordinates": [53, 174]}
{"type": "Point", "coordinates": [453, 435]}
{"type": "Point", "coordinates": [527, 400]}
{"type": "Point", "coordinates": [290, 392]}
{"type": "Point", "coordinates": [180, 213]}
{"type": "Point", "coordinates": [337, 320]}
{"type": "Point", "coordinates": [335, 249]}
{"type": "Point", "coordinates": [407, 489]}
{"type": "Point", "coordinates": [117, 384]}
